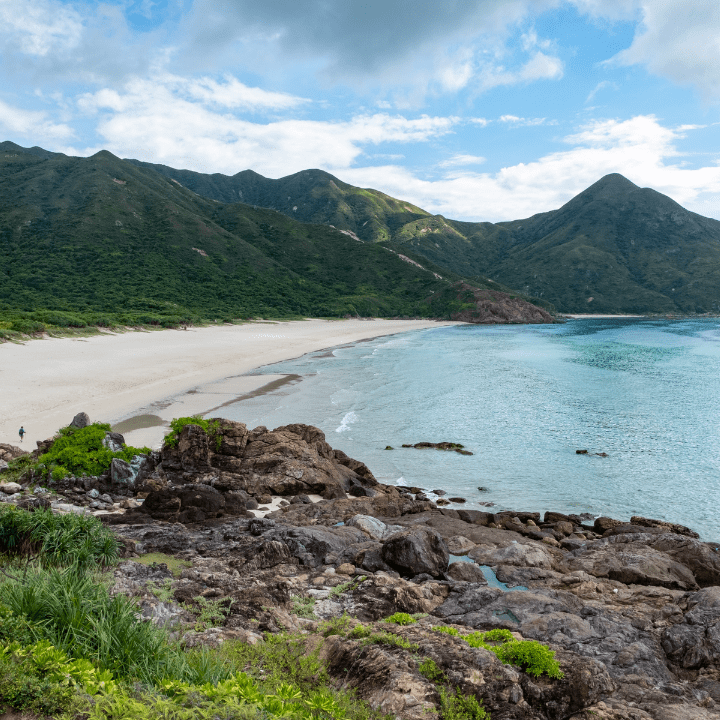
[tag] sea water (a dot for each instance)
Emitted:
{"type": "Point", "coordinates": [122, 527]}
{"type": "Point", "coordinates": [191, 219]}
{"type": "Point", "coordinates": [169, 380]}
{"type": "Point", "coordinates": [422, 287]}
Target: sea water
{"type": "Point", "coordinates": [523, 399]}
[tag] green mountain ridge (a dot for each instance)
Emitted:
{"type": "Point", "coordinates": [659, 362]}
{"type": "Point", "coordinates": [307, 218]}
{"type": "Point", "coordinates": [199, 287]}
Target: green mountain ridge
{"type": "Point", "coordinates": [613, 248]}
{"type": "Point", "coordinates": [102, 235]}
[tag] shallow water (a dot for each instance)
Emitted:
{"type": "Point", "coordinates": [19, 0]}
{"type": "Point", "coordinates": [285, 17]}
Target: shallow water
{"type": "Point", "coordinates": [523, 399]}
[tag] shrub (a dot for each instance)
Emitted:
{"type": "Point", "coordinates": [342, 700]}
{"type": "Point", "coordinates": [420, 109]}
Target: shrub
{"type": "Point", "coordinates": [400, 618]}
{"type": "Point", "coordinates": [428, 669]}
{"type": "Point", "coordinates": [211, 427]}
{"type": "Point", "coordinates": [532, 656]}
{"type": "Point", "coordinates": [456, 706]}
{"type": "Point", "coordinates": [81, 452]}
{"type": "Point", "coordinates": [79, 617]}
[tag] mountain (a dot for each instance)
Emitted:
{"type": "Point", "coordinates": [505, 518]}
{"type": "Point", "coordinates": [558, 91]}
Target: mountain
{"type": "Point", "coordinates": [613, 248]}
{"type": "Point", "coordinates": [312, 196]}
{"type": "Point", "coordinates": [101, 235]}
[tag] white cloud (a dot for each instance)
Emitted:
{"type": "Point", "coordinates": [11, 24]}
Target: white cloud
{"type": "Point", "coordinates": [601, 86]}
{"type": "Point", "coordinates": [457, 160]}
{"type": "Point", "coordinates": [39, 27]}
{"type": "Point", "coordinates": [157, 115]}
{"type": "Point", "coordinates": [30, 124]}
{"type": "Point", "coordinates": [524, 122]}
{"type": "Point", "coordinates": [677, 39]}
{"type": "Point", "coordinates": [539, 67]}
{"type": "Point", "coordinates": [640, 148]}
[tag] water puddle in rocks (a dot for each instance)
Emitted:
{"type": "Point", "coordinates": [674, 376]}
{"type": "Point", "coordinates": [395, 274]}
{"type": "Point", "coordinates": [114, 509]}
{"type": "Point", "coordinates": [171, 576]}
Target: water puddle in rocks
{"type": "Point", "coordinates": [490, 576]}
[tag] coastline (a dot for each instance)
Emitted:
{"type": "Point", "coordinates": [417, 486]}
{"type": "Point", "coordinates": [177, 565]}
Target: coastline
{"type": "Point", "coordinates": [114, 378]}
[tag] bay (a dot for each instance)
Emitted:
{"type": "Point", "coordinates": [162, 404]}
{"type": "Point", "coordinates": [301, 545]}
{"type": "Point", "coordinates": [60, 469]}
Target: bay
{"type": "Point", "coordinates": [523, 399]}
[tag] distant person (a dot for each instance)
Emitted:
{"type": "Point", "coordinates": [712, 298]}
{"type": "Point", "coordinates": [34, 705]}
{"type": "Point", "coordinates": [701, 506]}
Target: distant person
{"type": "Point", "coordinates": [22, 433]}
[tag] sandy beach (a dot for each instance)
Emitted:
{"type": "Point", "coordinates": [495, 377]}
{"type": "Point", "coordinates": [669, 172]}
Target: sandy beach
{"type": "Point", "coordinates": [138, 381]}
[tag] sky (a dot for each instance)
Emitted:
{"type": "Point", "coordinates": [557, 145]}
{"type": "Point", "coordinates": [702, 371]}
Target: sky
{"type": "Point", "coordinates": [480, 110]}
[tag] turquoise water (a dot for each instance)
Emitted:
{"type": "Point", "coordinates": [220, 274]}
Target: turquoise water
{"type": "Point", "coordinates": [523, 399]}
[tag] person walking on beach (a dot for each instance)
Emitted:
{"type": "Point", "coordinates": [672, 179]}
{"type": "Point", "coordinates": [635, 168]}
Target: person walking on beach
{"type": "Point", "coordinates": [22, 433]}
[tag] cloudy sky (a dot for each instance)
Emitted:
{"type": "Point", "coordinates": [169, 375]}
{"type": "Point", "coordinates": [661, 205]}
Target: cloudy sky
{"type": "Point", "coordinates": [476, 109]}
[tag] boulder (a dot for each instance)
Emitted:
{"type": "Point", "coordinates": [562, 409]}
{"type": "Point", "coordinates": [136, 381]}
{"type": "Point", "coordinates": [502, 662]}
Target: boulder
{"type": "Point", "coordinates": [10, 452]}
{"type": "Point", "coordinates": [122, 473]}
{"type": "Point", "coordinates": [466, 572]}
{"type": "Point", "coordinates": [80, 421]}
{"type": "Point", "coordinates": [529, 555]}
{"type": "Point", "coordinates": [416, 550]}
{"type": "Point", "coordinates": [369, 525]}
{"type": "Point", "coordinates": [113, 441]}
{"type": "Point", "coordinates": [10, 488]}
{"type": "Point", "coordinates": [633, 563]}
{"type": "Point", "coordinates": [3, 466]}
{"type": "Point", "coordinates": [459, 545]}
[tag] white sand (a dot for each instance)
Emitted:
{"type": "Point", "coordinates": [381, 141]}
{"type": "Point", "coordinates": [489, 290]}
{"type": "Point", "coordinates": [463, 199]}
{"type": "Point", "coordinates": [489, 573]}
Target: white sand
{"type": "Point", "coordinates": [161, 374]}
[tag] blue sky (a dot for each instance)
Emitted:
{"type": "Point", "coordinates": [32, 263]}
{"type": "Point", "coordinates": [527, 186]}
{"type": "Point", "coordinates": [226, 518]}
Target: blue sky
{"type": "Point", "coordinates": [475, 109]}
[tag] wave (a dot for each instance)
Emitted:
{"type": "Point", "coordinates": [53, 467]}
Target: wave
{"type": "Point", "coordinates": [346, 422]}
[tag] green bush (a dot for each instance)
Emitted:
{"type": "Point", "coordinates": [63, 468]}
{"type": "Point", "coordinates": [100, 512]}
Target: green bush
{"type": "Point", "coordinates": [211, 427]}
{"type": "Point", "coordinates": [532, 656]}
{"type": "Point", "coordinates": [400, 618]}
{"type": "Point", "coordinates": [81, 452]}
{"type": "Point", "coordinates": [456, 706]}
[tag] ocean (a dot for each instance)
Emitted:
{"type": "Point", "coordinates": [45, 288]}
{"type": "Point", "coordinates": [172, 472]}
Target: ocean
{"type": "Point", "coordinates": [523, 399]}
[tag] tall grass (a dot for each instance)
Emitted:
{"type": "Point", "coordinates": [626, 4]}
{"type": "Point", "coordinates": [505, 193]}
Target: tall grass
{"type": "Point", "coordinates": [78, 615]}
{"type": "Point", "coordinates": [56, 540]}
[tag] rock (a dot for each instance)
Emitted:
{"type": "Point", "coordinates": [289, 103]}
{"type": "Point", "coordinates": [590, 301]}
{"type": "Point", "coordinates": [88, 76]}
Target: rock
{"type": "Point", "coordinates": [10, 488]}
{"type": "Point", "coordinates": [113, 441]}
{"type": "Point", "coordinates": [459, 545]}
{"type": "Point", "coordinates": [666, 526]}
{"type": "Point", "coordinates": [34, 502]}
{"type": "Point", "coordinates": [416, 550]}
{"type": "Point", "coordinates": [3, 466]}
{"type": "Point", "coordinates": [252, 504]}
{"type": "Point", "coordinates": [457, 500]}
{"type": "Point", "coordinates": [466, 572]}
{"type": "Point", "coordinates": [122, 473]}
{"type": "Point", "coordinates": [604, 523]}
{"type": "Point", "coordinates": [516, 554]}
{"type": "Point", "coordinates": [633, 563]}
{"type": "Point", "coordinates": [80, 421]}
{"type": "Point", "coordinates": [10, 452]}
{"type": "Point", "coordinates": [371, 526]}
{"type": "Point", "coordinates": [345, 569]}
{"type": "Point", "coordinates": [94, 493]}
{"type": "Point", "coordinates": [439, 493]}
{"type": "Point", "coordinates": [564, 527]}
{"type": "Point", "coordinates": [265, 499]}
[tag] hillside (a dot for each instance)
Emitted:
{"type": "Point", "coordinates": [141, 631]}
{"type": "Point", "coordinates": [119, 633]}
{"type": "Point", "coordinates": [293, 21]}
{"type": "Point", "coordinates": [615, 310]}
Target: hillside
{"type": "Point", "coordinates": [613, 248]}
{"type": "Point", "coordinates": [312, 196]}
{"type": "Point", "coordinates": [102, 235]}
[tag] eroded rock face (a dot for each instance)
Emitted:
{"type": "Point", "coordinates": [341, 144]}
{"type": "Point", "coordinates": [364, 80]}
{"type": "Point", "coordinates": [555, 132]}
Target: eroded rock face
{"type": "Point", "coordinates": [416, 551]}
{"type": "Point", "coordinates": [291, 460]}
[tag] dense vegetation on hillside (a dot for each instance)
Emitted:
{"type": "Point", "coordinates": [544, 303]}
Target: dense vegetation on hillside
{"type": "Point", "coordinates": [613, 248]}
{"type": "Point", "coordinates": [101, 240]}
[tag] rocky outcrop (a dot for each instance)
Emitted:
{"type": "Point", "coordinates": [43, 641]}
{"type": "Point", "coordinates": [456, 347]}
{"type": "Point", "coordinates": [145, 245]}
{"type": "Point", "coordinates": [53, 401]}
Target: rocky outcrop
{"type": "Point", "coordinates": [288, 461]}
{"type": "Point", "coordinates": [491, 307]}
{"type": "Point", "coordinates": [632, 609]}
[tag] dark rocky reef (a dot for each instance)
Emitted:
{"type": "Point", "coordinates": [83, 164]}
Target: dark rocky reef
{"type": "Point", "coordinates": [632, 609]}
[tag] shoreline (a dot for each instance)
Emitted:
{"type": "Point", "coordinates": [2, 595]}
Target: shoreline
{"type": "Point", "coordinates": [114, 378]}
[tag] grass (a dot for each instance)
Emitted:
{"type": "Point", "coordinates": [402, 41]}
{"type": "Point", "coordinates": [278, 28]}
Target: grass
{"type": "Point", "coordinates": [56, 540]}
{"type": "Point", "coordinates": [174, 565]}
